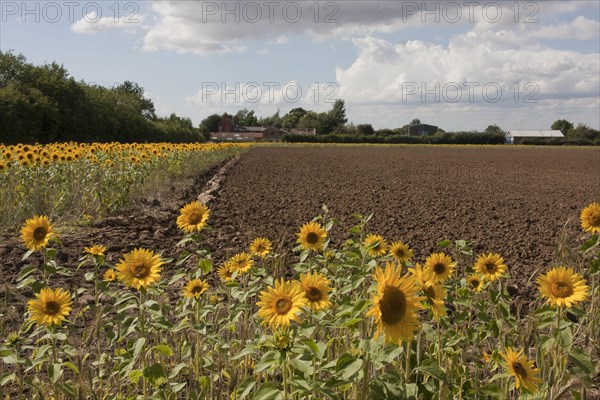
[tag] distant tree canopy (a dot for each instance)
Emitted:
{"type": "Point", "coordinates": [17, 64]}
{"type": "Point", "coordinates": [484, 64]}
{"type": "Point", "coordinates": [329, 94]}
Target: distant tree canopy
{"type": "Point", "coordinates": [562, 125]}
{"type": "Point", "coordinates": [365, 129]}
{"type": "Point", "coordinates": [44, 104]}
{"type": "Point", "coordinates": [493, 129]}
{"type": "Point", "coordinates": [581, 132]}
{"type": "Point", "coordinates": [245, 117]}
{"type": "Point", "coordinates": [210, 124]}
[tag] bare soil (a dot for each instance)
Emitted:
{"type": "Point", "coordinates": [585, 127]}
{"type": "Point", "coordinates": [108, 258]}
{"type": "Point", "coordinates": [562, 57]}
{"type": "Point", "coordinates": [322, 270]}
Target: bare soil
{"type": "Point", "coordinates": [517, 201]}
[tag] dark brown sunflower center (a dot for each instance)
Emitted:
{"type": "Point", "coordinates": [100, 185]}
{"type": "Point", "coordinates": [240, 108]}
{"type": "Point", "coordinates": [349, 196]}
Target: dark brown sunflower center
{"type": "Point", "coordinates": [51, 308]}
{"type": "Point", "coordinates": [519, 370]}
{"type": "Point", "coordinates": [140, 271]}
{"type": "Point", "coordinates": [260, 248]}
{"type": "Point", "coordinates": [392, 305]}
{"type": "Point", "coordinates": [195, 218]}
{"type": "Point", "coordinates": [39, 233]}
{"type": "Point", "coordinates": [594, 219]}
{"type": "Point", "coordinates": [490, 267]}
{"type": "Point", "coordinates": [430, 292]}
{"type": "Point", "coordinates": [282, 306]}
{"type": "Point", "coordinates": [399, 253]}
{"type": "Point", "coordinates": [313, 294]}
{"type": "Point", "coordinates": [561, 289]}
{"type": "Point", "coordinates": [474, 283]}
{"type": "Point", "coordinates": [439, 268]}
{"type": "Point", "coordinates": [197, 289]}
{"type": "Point", "coordinates": [312, 237]}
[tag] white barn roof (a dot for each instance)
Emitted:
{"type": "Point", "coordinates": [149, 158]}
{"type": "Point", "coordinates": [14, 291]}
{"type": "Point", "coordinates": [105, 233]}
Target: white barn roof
{"type": "Point", "coordinates": [547, 134]}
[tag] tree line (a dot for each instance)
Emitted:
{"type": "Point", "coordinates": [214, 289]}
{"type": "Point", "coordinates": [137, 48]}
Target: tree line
{"type": "Point", "coordinates": [44, 104]}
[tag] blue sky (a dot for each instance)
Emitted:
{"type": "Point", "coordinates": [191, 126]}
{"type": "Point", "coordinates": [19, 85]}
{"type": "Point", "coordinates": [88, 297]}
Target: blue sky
{"type": "Point", "coordinates": [457, 65]}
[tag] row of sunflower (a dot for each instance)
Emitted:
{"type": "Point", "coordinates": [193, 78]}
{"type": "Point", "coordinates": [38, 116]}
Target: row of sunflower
{"type": "Point", "coordinates": [85, 180]}
{"type": "Point", "coordinates": [363, 321]}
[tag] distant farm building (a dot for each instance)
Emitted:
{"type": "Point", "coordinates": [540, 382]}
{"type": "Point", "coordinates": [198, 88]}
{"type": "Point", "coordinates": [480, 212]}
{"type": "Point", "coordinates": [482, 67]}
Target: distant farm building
{"type": "Point", "coordinates": [422, 130]}
{"type": "Point", "coordinates": [516, 137]}
{"type": "Point", "coordinates": [229, 131]}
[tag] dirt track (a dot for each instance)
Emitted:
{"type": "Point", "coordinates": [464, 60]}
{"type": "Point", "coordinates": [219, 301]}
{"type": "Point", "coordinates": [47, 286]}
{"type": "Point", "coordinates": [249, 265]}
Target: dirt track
{"type": "Point", "coordinates": [515, 201]}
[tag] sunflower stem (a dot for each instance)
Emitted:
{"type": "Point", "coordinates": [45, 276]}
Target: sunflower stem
{"type": "Point", "coordinates": [143, 334]}
{"type": "Point", "coordinates": [439, 357]}
{"type": "Point", "coordinates": [365, 384]}
{"type": "Point", "coordinates": [556, 367]}
{"type": "Point", "coordinates": [18, 372]}
{"type": "Point", "coordinates": [407, 364]}
{"type": "Point", "coordinates": [284, 373]}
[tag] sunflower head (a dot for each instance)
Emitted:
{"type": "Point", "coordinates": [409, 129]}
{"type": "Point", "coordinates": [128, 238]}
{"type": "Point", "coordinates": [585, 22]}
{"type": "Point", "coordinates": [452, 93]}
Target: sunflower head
{"type": "Point", "coordinates": [261, 247]}
{"type": "Point", "coordinates": [376, 245]}
{"type": "Point", "coordinates": [312, 236]}
{"type": "Point", "coordinates": [50, 307]}
{"type": "Point", "coordinates": [475, 283]}
{"type": "Point", "coordinates": [241, 262]}
{"type": "Point", "coordinates": [316, 290]}
{"type": "Point", "coordinates": [110, 275]}
{"type": "Point", "coordinates": [192, 217]}
{"type": "Point", "coordinates": [522, 369]}
{"type": "Point", "coordinates": [441, 265]}
{"type": "Point", "coordinates": [562, 287]}
{"type": "Point", "coordinates": [195, 288]}
{"type": "Point", "coordinates": [490, 266]}
{"type": "Point", "coordinates": [395, 304]}
{"type": "Point", "coordinates": [434, 292]}
{"type": "Point", "coordinates": [401, 252]}
{"type": "Point", "coordinates": [590, 218]}
{"type": "Point", "coordinates": [424, 276]}
{"type": "Point", "coordinates": [225, 272]}
{"type": "Point", "coordinates": [282, 303]}
{"type": "Point", "coordinates": [95, 250]}
{"type": "Point", "coordinates": [37, 232]}
{"type": "Point", "coordinates": [139, 268]}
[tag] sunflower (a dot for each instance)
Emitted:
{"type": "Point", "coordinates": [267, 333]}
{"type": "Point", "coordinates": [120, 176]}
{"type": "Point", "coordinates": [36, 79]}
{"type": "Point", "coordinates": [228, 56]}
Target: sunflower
{"type": "Point", "coordinates": [95, 250]}
{"type": "Point", "coordinates": [490, 266]}
{"type": "Point", "coordinates": [281, 303]}
{"type": "Point", "coordinates": [522, 369]}
{"type": "Point", "coordinates": [261, 246]}
{"type": "Point", "coordinates": [434, 292]}
{"type": "Point", "coordinates": [37, 232]}
{"type": "Point", "coordinates": [193, 217]}
{"type": "Point", "coordinates": [225, 273]}
{"type": "Point", "coordinates": [195, 288]}
{"type": "Point", "coordinates": [394, 304]}
{"type": "Point", "coordinates": [441, 265]}
{"type": "Point", "coordinates": [563, 287]}
{"type": "Point", "coordinates": [424, 276]}
{"type": "Point", "coordinates": [401, 252]}
{"type": "Point", "coordinates": [475, 283]}
{"type": "Point", "coordinates": [50, 307]}
{"type": "Point", "coordinates": [139, 268]}
{"type": "Point", "coordinates": [376, 245]}
{"type": "Point", "coordinates": [590, 218]}
{"type": "Point", "coordinates": [110, 275]}
{"type": "Point", "coordinates": [241, 262]}
{"type": "Point", "coordinates": [312, 236]}
{"type": "Point", "coordinates": [316, 290]}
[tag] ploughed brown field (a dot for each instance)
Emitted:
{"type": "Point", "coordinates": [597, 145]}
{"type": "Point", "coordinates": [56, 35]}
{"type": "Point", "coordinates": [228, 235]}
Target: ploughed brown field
{"type": "Point", "coordinates": [517, 201]}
